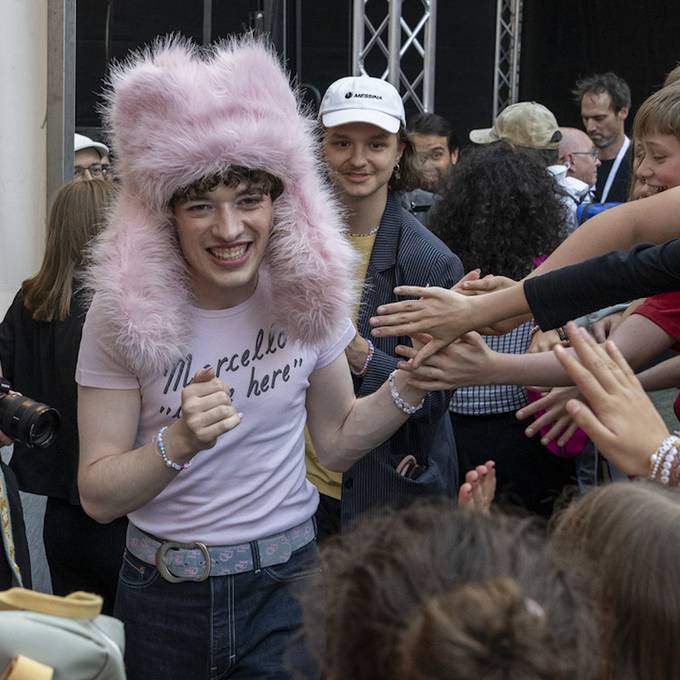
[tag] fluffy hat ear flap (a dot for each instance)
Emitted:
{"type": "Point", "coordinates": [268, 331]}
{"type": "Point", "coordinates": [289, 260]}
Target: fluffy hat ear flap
{"type": "Point", "coordinates": [141, 287]}
{"type": "Point", "coordinates": [310, 263]}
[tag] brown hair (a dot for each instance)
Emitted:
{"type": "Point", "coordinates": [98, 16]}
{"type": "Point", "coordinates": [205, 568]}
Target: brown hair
{"type": "Point", "coordinates": [409, 176]}
{"type": "Point", "coordinates": [76, 216]}
{"type": "Point", "coordinates": [231, 177]}
{"type": "Point", "coordinates": [409, 594]}
{"type": "Point", "coordinates": [659, 113]}
{"type": "Point", "coordinates": [626, 538]}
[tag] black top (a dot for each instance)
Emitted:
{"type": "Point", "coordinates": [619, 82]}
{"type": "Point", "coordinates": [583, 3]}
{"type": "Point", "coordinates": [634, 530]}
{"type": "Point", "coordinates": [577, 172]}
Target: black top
{"type": "Point", "coordinates": [39, 359]}
{"type": "Point", "coordinates": [618, 191]}
{"type": "Point", "coordinates": [619, 276]}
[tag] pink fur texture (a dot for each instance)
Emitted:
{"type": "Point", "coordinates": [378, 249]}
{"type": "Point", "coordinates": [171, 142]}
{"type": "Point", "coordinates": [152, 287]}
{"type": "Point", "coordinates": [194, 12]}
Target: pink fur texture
{"type": "Point", "coordinates": [178, 113]}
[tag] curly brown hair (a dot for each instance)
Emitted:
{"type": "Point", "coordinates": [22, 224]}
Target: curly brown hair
{"type": "Point", "coordinates": [439, 593]}
{"type": "Point", "coordinates": [231, 177]}
{"type": "Point", "coordinates": [499, 210]}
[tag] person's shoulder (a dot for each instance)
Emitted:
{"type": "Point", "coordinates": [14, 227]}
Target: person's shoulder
{"type": "Point", "coordinates": [416, 233]}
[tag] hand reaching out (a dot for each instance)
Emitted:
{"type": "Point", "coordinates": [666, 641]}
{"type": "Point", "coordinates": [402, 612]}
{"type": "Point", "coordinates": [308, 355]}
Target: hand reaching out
{"type": "Point", "coordinates": [556, 416]}
{"type": "Point", "coordinates": [443, 314]}
{"type": "Point", "coordinates": [619, 418]}
{"type": "Point", "coordinates": [487, 284]}
{"type": "Point", "coordinates": [468, 361]}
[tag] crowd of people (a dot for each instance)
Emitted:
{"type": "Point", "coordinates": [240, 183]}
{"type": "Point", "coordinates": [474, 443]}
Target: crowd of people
{"type": "Point", "coordinates": [295, 357]}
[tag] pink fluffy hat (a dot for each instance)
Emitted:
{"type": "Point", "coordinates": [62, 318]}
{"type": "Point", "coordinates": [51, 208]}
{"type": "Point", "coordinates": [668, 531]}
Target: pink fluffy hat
{"type": "Point", "coordinates": [178, 113]}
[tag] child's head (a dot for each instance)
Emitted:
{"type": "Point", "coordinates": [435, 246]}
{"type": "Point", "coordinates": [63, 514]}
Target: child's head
{"type": "Point", "coordinates": [625, 538]}
{"type": "Point", "coordinates": [434, 592]}
{"type": "Point", "coordinates": [656, 139]}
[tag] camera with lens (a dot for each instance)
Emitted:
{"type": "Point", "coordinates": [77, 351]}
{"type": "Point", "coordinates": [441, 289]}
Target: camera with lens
{"type": "Point", "coordinates": [26, 421]}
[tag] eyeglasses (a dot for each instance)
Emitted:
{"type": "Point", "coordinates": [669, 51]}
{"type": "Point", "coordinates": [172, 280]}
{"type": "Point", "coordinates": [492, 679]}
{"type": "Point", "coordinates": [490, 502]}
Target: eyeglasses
{"type": "Point", "coordinates": [96, 170]}
{"type": "Point", "coordinates": [594, 153]}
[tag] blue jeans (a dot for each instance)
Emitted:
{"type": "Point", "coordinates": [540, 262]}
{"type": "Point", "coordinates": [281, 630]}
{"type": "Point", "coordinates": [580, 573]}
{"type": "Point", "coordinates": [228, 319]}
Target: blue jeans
{"type": "Point", "coordinates": [242, 626]}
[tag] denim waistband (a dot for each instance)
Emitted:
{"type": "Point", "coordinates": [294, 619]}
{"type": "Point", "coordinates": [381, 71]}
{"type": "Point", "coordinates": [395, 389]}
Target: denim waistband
{"type": "Point", "coordinates": [196, 561]}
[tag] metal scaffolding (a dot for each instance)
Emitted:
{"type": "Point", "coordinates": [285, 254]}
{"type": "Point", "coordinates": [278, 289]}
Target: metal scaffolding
{"type": "Point", "coordinates": [419, 43]}
{"type": "Point", "coordinates": [506, 61]}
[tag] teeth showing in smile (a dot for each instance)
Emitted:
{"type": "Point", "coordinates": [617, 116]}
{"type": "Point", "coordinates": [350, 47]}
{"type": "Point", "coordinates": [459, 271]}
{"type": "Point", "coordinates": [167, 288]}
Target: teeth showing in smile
{"type": "Point", "coordinates": [233, 253]}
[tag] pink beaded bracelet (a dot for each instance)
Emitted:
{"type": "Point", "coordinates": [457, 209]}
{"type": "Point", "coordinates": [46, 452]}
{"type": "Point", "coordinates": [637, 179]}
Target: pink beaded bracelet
{"type": "Point", "coordinates": [367, 360]}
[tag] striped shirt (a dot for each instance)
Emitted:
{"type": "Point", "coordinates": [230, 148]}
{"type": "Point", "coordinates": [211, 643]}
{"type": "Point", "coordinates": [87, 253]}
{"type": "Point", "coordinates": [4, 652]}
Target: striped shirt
{"type": "Point", "coordinates": [480, 400]}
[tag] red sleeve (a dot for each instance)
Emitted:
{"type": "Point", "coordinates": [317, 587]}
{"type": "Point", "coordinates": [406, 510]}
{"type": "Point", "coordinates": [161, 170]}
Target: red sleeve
{"type": "Point", "coordinates": [664, 311]}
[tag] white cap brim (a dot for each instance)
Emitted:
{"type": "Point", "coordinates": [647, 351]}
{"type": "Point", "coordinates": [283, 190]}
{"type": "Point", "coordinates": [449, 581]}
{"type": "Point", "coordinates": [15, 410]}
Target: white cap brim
{"type": "Point", "coordinates": [82, 142]}
{"type": "Point", "coordinates": [381, 120]}
{"type": "Point", "coordinates": [485, 136]}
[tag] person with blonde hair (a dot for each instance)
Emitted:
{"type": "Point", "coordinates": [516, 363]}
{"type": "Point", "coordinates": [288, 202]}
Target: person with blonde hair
{"type": "Point", "coordinates": [622, 541]}
{"type": "Point", "coordinates": [39, 342]}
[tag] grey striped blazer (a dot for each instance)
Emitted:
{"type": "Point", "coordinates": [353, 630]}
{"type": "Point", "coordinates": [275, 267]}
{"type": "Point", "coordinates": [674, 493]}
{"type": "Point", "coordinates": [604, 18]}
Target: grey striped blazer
{"type": "Point", "coordinates": [405, 252]}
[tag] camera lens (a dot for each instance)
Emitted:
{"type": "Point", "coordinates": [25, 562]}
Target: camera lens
{"type": "Point", "coordinates": [28, 421]}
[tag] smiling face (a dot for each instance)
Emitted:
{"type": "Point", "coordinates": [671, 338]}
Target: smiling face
{"type": "Point", "coordinates": [223, 234]}
{"type": "Point", "coordinates": [657, 164]}
{"type": "Point", "coordinates": [361, 158]}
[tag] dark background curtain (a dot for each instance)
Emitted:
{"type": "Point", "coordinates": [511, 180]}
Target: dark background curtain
{"type": "Point", "coordinates": [561, 41]}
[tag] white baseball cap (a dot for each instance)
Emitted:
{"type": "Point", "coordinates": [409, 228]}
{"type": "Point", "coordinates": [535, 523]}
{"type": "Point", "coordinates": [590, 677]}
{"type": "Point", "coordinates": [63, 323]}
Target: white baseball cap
{"type": "Point", "coordinates": [362, 99]}
{"type": "Point", "coordinates": [81, 142]}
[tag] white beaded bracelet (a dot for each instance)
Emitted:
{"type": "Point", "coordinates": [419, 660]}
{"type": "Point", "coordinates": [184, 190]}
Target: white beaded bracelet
{"type": "Point", "coordinates": [657, 458]}
{"type": "Point", "coordinates": [159, 443]}
{"type": "Point", "coordinates": [408, 409]}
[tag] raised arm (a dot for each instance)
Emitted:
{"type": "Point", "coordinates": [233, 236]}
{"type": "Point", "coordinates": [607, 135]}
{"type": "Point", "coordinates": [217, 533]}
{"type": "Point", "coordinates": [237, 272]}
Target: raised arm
{"type": "Point", "coordinates": [650, 220]}
{"type": "Point", "coordinates": [344, 428]}
{"type": "Point", "coordinates": [447, 316]}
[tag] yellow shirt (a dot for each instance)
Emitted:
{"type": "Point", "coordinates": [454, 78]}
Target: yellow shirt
{"type": "Point", "coordinates": [326, 481]}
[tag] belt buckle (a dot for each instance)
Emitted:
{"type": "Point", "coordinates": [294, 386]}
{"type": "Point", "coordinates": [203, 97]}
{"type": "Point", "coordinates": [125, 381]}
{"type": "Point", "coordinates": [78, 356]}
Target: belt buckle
{"type": "Point", "coordinates": [165, 572]}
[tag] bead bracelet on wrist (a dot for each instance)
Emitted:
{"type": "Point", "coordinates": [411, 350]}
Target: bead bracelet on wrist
{"type": "Point", "coordinates": [664, 463]}
{"type": "Point", "coordinates": [399, 402]}
{"type": "Point", "coordinates": [159, 443]}
{"type": "Point", "coordinates": [367, 360]}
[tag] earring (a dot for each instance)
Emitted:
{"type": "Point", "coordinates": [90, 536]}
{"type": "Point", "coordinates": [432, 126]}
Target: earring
{"type": "Point", "coordinates": [396, 173]}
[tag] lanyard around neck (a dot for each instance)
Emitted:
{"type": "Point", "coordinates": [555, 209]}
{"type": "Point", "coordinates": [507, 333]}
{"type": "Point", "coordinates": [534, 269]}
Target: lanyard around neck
{"type": "Point", "coordinates": [614, 169]}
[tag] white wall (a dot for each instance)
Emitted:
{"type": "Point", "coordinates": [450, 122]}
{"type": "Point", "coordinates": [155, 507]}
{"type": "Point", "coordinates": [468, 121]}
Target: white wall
{"type": "Point", "coordinates": [23, 93]}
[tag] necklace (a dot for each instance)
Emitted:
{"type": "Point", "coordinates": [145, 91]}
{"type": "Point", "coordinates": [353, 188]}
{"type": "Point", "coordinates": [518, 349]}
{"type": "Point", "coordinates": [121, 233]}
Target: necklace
{"type": "Point", "coordinates": [373, 232]}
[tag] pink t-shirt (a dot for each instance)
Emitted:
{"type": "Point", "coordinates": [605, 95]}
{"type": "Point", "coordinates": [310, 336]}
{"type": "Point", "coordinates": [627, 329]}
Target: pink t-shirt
{"type": "Point", "coordinates": [253, 483]}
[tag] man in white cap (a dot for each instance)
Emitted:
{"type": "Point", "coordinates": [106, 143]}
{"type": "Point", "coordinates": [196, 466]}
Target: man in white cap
{"type": "Point", "coordinates": [91, 159]}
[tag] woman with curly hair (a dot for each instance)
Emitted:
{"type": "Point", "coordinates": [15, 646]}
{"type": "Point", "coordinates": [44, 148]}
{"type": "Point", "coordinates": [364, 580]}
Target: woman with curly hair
{"type": "Point", "coordinates": [500, 212]}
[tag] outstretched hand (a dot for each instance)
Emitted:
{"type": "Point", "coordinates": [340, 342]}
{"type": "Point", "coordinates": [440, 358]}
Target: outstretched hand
{"type": "Point", "coordinates": [468, 361]}
{"type": "Point", "coordinates": [620, 419]}
{"type": "Point", "coordinates": [443, 314]}
{"type": "Point", "coordinates": [487, 284]}
{"type": "Point", "coordinates": [479, 488]}
{"type": "Point", "coordinates": [555, 415]}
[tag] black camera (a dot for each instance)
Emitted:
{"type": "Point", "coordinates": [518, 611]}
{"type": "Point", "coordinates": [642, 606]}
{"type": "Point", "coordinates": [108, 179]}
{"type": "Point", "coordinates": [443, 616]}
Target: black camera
{"type": "Point", "coordinates": [26, 421]}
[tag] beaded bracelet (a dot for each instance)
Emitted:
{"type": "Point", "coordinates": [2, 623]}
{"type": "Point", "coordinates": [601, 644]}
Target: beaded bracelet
{"type": "Point", "coordinates": [408, 409]}
{"type": "Point", "coordinates": [367, 360]}
{"type": "Point", "coordinates": [159, 443]}
{"type": "Point", "coordinates": [663, 461]}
